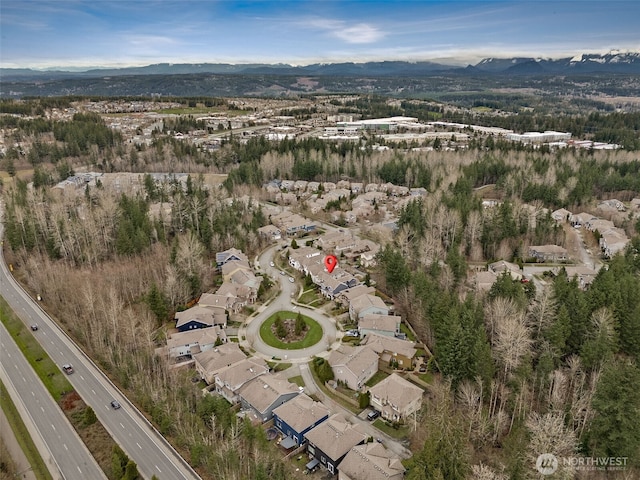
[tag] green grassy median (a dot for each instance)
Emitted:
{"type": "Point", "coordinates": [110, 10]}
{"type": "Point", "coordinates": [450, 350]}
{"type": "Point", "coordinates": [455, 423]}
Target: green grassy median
{"type": "Point", "coordinates": [313, 335]}
{"type": "Point", "coordinates": [22, 435]}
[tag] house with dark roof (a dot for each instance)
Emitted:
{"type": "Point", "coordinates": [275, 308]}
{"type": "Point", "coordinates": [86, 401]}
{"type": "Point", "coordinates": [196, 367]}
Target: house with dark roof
{"type": "Point", "coordinates": [296, 417]}
{"type": "Point", "coordinates": [201, 317]}
{"type": "Point", "coordinates": [330, 441]}
{"type": "Point", "coordinates": [261, 395]}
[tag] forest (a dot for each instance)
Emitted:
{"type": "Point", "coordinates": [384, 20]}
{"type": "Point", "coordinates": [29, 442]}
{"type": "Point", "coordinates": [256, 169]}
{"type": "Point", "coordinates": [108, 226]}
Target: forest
{"type": "Point", "coordinates": [517, 371]}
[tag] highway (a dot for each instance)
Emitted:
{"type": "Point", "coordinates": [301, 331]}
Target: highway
{"type": "Point", "coordinates": [137, 437]}
{"type": "Point", "coordinates": [60, 446]}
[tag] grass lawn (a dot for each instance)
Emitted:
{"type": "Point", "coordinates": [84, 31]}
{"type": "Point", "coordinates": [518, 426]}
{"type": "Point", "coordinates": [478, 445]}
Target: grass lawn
{"type": "Point", "coordinates": [377, 378]}
{"type": "Point", "coordinates": [409, 333]}
{"type": "Point", "coordinates": [298, 380]}
{"type": "Point", "coordinates": [50, 373]}
{"type": "Point", "coordinates": [278, 367]}
{"type": "Point", "coordinates": [399, 433]}
{"type": "Point", "coordinates": [22, 435]}
{"type": "Point", "coordinates": [311, 297]}
{"type": "Point", "coordinates": [313, 336]}
{"type": "Point", "coordinates": [329, 393]}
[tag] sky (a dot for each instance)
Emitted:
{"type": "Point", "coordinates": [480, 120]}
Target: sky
{"type": "Point", "coordinates": [94, 33]}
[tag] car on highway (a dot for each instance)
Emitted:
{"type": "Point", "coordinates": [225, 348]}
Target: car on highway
{"type": "Point", "coordinates": [115, 404]}
{"type": "Point", "coordinates": [67, 368]}
{"type": "Point", "coordinates": [291, 279]}
{"type": "Point", "coordinates": [34, 327]}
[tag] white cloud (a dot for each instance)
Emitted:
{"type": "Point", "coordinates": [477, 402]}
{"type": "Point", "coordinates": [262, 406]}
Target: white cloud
{"type": "Point", "coordinates": [358, 33]}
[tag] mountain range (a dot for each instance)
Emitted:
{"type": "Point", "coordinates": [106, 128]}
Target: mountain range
{"type": "Point", "coordinates": [612, 62]}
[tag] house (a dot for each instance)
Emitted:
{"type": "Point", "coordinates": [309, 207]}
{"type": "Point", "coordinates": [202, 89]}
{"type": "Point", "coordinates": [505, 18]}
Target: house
{"type": "Point", "coordinates": [210, 362]}
{"type": "Point", "coordinates": [353, 365]}
{"type": "Point", "coordinates": [484, 281]}
{"type": "Point", "coordinates": [261, 395]}
{"type": "Point", "coordinates": [185, 344]}
{"type": "Point", "coordinates": [365, 305]}
{"type": "Point", "coordinates": [232, 266]}
{"type": "Point", "coordinates": [583, 274]}
{"type": "Point", "coordinates": [346, 296]}
{"type": "Point", "coordinates": [296, 417]}
{"type": "Point", "coordinates": [337, 281]}
{"type": "Point", "coordinates": [237, 295]}
{"type": "Point", "coordinates": [599, 224]}
{"type": "Point", "coordinates": [329, 442]}
{"type": "Point", "coordinates": [370, 461]}
{"type": "Point", "coordinates": [395, 398]}
{"type": "Point", "coordinates": [229, 255]}
{"type": "Point", "coordinates": [501, 267]}
{"type": "Point", "coordinates": [270, 232]}
{"type": "Point", "coordinates": [392, 351]}
{"type": "Point", "coordinates": [387, 325]}
{"type": "Point", "coordinates": [292, 223]}
{"type": "Point", "coordinates": [613, 241]}
{"type": "Point", "coordinates": [562, 215]}
{"type": "Point", "coordinates": [229, 380]}
{"type": "Point", "coordinates": [200, 316]}
{"type": "Point", "coordinates": [580, 219]}
{"type": "Point", "coordinates": [548, 253]}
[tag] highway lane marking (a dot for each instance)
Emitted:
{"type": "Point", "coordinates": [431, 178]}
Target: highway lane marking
{"type": "Point", "coordinates": [158, 468]}
{"type": "Point", "coordinates": [79, 469]}
{"type": "Point", "coordinates": [62, 354]}
{"type": "Point", "coordinates": [24, 380]}
{"type": "Point", "coordinates": [52, 425]}
{"type": "Point", "coordinates": [93, 391]}
{"type": "Point", "coordinates": [65, 446]}
{"type": "Point", "coordinates": [33, 394]}
{"type": "Point", "coordinates": [139, 446]}
{"type": "Point", "coordinates": [82, 378]}
{"type": "Point", "coordinates": [122, 425]}
{"type": "Point", "coordinates": [8, 355]}
{"type": "Point", "coordinates": [52, 342]}
{"type": "Point", "coordinates": [42, 409]}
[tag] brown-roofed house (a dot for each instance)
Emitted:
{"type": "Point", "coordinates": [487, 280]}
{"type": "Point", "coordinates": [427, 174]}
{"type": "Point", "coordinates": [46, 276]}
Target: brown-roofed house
{"type": "Point", "coordinates": [298, 416]}
{"type": "Point", "coordinates": [396, 398]}
{"type": "Point", "coordinates": [370, 461]}
{"type": "Point", "coordinates": [264, 393]}
{"type": "Point", "coordinates": [392, 350]}
{"type": "Point", "coordinates": [229, 380]}
{"type": "Point", "coordinates": [387, 325]}
{"type": "Point", "coordinates": [330, 441]}
{"type": "Point", "coordinates": [208, 363]}
{"type": "Point", "coordinates": [366, 304]}
{"type": "Point", "coordinates": [353, 365]}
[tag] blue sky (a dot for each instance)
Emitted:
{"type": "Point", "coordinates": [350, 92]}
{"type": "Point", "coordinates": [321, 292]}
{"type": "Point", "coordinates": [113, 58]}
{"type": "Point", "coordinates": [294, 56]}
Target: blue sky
{"type": "Point", "coordinates": [47, 33]}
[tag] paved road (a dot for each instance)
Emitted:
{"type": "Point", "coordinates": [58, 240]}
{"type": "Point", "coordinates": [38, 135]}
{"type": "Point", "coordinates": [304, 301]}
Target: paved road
{"type": "Point", "coordinates": [137, 437]}
{"type": "Point", "coordinates": [301, 357]}
{"type": "Point", "coordinates": [22, 466]}
{"type": "Point", "coordinates": [251, 330]}
{"type": "Point", "coordinates": [61, 448]}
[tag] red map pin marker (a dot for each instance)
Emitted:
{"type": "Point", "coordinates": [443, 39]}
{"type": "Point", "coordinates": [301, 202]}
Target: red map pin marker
{"type": "Point", "coordinates": [330, 261]}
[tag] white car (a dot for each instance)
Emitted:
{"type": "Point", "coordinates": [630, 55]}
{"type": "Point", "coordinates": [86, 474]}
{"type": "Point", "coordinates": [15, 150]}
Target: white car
{"type": "Point", "coordinates": [272, 264]}
{"type": "Point", "coordinates": [291, 279]}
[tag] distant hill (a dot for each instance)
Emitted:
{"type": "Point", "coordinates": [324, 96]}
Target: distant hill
{"type": "Point", "coordinates": [612, 62]}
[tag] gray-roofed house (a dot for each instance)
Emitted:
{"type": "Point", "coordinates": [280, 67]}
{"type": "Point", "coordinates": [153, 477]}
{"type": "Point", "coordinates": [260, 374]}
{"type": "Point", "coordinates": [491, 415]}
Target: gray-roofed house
{"type": "Point", "coordinates": [502, 266]}
{"type": "Point", "coordinates": [299, 415]}
{"type": "Point", "coordinates": [347, 295]}
{"type": "Point", "coordinates": [263, 394]}
{"type": "Point", "coordinates": [230, 255]}
{"type": "Point", "coordinates": [229, 380]}
{"type": "Point", "coordinates": [353, 365]}
{"type": "Point", "coordinates": [200, 317]}
{"type": "Point", "coordinates": [365, 305]}
{"type": "Point", "coordinates": [330, 441]}
{"type": "Point", "coordinates": [370, 461]}
{"type": "Point", "coordinates": [396, 398]}
{"type": "Point", "coordinates": [548, 253]}
{"type": "Point", "coordinates": [210, 362]}
{"type": "Point", "coordinates": [387, 325]}
{"type": "Point", "coordinates": [185, 344]}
